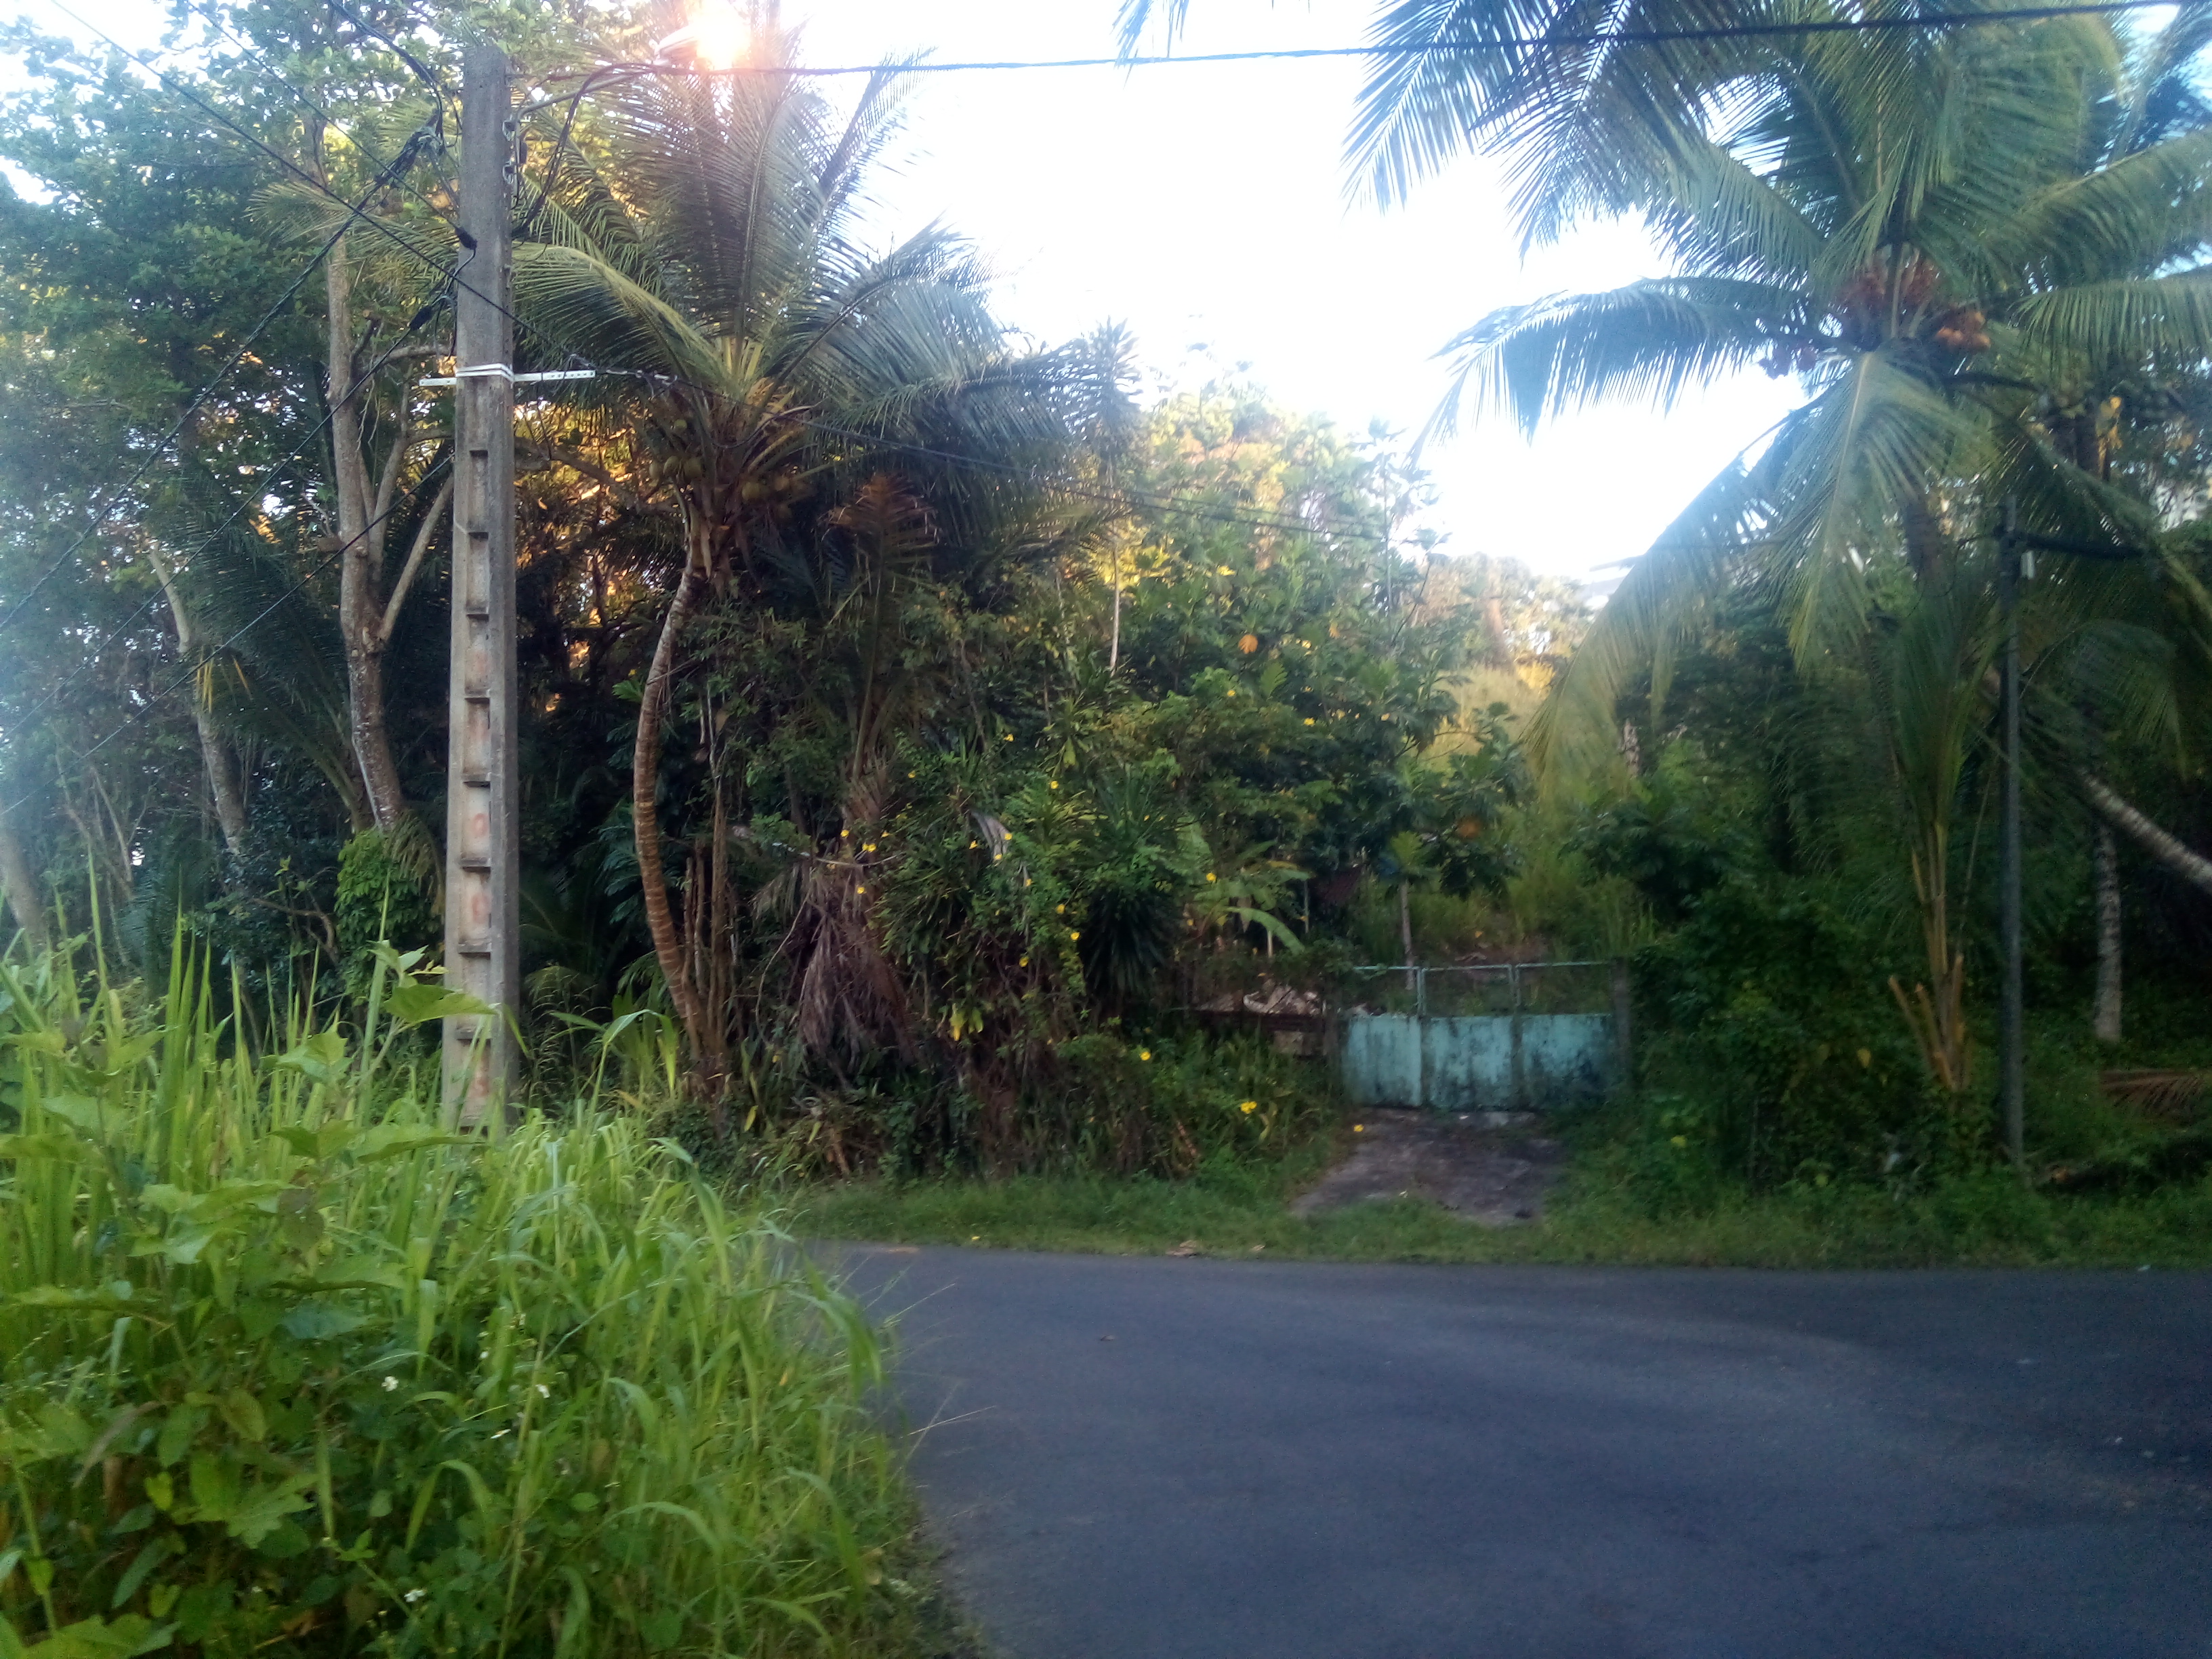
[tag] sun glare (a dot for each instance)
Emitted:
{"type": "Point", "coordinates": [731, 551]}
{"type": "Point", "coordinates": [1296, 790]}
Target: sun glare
{"type": "Point", "coordinates": [718, 37]}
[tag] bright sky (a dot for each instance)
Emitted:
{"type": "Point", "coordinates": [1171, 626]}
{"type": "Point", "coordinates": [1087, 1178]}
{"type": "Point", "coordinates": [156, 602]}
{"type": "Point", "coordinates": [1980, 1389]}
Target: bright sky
{"type": "Point", "coordinates": [1204, 206]}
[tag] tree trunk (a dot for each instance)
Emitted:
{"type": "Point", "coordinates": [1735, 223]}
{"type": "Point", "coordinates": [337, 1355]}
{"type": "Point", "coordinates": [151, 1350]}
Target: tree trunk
{"type": "Point", "coordinates": [645, 816]}
{"type": "Point", "coordinates": [1406, 931]}
{"type": "Point", "coordinates": [223, 779]}
{"type": "Point", "coordinates": [2192, 867]}
{"type": "Point", "coordinates": [2107, 1017]}
{"type": "Point", "coordinates": [360, 555]}
{"type": "Point", "coordinates": [1493, 624]}
{"type": "Point", "coordinates": [22, 890]}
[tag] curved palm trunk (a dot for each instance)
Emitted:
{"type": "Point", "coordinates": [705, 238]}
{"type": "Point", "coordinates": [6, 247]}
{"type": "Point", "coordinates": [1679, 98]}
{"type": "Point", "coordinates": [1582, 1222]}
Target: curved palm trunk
{"type": "Point", "coordinates": [645, 823]}
{"type": "Point", "coordinates": [2191, 866]}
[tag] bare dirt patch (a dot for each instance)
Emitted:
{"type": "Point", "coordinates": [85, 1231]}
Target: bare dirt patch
{"type": "Point", "coordinates": [1490, 1168]}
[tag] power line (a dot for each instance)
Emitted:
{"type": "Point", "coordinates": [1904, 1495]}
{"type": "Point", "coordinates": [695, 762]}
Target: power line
{"type": "Point", "coordinates": [162, 692]}
{"type": "Point", "coordinates": [161, 445]}
{"type": "Point", "coordinates": [387, 171]}
{"type": "Point", "coordinates": [452, 274]}
{"type": "Point", "coordinates": [1925, 21]}
{"type": "Point", "coordinates": [354, 210]}
{"type": "Point", "coordinates": [299, 449]}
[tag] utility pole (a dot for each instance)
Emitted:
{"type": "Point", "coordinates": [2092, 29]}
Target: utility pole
{"type": "Point", "coordinates": [2012, 1030]}
{"type": "Point", "coordinates": [483, 912]}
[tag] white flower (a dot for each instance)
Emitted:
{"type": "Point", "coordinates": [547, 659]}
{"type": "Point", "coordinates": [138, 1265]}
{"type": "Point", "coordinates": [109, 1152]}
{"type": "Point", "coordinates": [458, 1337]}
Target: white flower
{"type": "Point", "coordinates": [416, 1595]}
{"type": "Point", "coordinates": [544, 1393]}
{"type": "Point", "coordinates": [390, 1383]}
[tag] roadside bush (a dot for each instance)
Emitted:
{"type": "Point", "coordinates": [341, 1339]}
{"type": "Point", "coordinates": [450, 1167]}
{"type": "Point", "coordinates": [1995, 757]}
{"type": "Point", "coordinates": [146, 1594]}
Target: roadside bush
{"type": "Point", "coordinates": [293, 1371]}
{"type": "Point", "coordinates": [1170, 1105]}
{"type": "Point", "coordinates": [1771, 1049]}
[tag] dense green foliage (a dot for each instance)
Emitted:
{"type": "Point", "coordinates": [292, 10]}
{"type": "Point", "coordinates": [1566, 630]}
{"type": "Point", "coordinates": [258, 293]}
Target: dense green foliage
{"type": "Point", "coordinates": [997, 717]}
{"type": "Point", "coordinates": [293, 1370]}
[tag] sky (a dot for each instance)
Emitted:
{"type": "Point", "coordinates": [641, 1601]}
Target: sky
{"type": "Point", "coordinates": [1203, 207]}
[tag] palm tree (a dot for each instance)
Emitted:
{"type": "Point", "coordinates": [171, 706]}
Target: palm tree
{"type": "Point", "coordinates": [815, 425]}
{"type": "Point", "coordinates": [1958, 241]}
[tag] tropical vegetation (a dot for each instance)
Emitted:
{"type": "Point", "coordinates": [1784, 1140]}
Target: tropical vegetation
{"type": "Point", "coordinates": [939, 753]}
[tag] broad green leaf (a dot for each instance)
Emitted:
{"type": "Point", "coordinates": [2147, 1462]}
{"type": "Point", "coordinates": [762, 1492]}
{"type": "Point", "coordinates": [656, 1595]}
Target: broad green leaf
{"type": "Point", "coordinates": [102, 1639]}
{"type": "Point", "coordinates": [390, 1140]}
{"type": "Point", "coordinates": [117, 1294]}
{"type": "Point", "coordinates": [311, 1320]}
{"type": "Point", "coordinates": [324, 1142]}
{"type": "Point", "coordinates": [60, 1149]}
{"type": "Point", "coordinates": [243, 1413]}
{"type": "Point", "coordinates": [416, 1004]}
{"type": "Point", "coordinates": [82, 1112]}
{"type": "Point", "coordinates": [320, 1059]}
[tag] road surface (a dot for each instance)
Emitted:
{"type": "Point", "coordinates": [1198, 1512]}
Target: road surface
{"type": "Point", "coordinates": [1141, 1458]}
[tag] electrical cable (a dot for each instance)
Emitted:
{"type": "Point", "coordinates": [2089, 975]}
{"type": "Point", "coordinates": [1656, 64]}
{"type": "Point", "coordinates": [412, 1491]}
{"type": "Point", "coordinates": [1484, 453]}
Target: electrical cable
{"type": "Point", "coordinates": [236, 635]}
{"type": "Point", "coordinates": [354, 212]}
{"type": "Point", "coordinates": [248, 626]}
{"type": "Point", "coordinates": [1165, 504]}
{"type": "Point", "coordinates": [268, 477]}
{"type": "Point", "coordinates": [437, 90]}
{"type": "Point", "coordinates": [161, 445]}
{"type": "Point", "coordinates": [1929, 20]}
{"type": "Point", "coordinates": [437, 128]}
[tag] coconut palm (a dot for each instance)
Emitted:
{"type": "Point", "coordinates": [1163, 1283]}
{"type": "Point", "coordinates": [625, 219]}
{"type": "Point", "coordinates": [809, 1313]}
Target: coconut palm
{"type": "Point", "coordinates": [1959, 242]}
{"type": "Point", "coordinates": [817, 426]}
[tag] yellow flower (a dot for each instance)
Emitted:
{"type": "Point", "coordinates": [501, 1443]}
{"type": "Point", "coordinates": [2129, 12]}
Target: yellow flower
{"type": "Point", "coordinates": [1209, 875]}
{"type": "Point", "coordinates": [1359, 1128]}
{"type": "Point", "coordinates": [1025, 962]}
{"type": "Point", "coordinates": [1073, 934]}
{"type": "Point", "coordinates": [1308, 720]}
{"type": "Point", "coordinates": [868, 847]}
{"type": "Point", "coordinates": [844, 835]}
{"type": "Point", "coordinates": [1225, 570]}
{"type": "Point", "coordinates": [1059, 909]}
{"type": "Point", "coordinates": [1250, 1106]}
{"type": "Point", "coordinates": [1055, 784]}
{"type": "Point", "coordinates": [1010, 737]}
{"type": "Point", "coordinates": [1143, 1053]}
{"type": "Point", "coordinates": [860, 889]}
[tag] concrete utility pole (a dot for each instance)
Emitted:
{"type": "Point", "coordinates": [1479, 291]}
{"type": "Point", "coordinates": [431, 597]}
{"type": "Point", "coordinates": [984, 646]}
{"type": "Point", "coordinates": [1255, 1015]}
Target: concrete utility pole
{"type": "Point", "coordinates": [483, 912]}
{"type": "Point", "coordinates": [2012, 1021]}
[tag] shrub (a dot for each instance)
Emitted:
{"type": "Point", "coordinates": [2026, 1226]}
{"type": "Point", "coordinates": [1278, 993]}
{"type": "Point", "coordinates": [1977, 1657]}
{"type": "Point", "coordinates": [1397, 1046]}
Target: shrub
{"type": "Point", "coordinates": [294, 1372]}
{"type": "Point", "coordinates": [1770, 1047]}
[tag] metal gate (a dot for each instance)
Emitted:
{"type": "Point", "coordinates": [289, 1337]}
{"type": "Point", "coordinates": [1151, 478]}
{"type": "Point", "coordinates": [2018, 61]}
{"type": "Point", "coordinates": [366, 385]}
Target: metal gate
{"type": "Point", "coordinates": [1515, 1037]}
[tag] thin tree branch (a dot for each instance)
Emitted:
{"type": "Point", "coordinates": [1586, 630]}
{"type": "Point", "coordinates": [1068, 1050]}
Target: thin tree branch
{"type": "Point", "coordinates": [431, 520]}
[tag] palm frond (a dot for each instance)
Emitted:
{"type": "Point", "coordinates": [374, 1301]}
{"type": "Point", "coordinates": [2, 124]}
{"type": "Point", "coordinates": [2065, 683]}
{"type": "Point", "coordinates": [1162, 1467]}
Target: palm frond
{"type": "Point", "coordinates": [1648, 340]}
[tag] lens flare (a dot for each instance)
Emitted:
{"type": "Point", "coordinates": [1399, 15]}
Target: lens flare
{"type": "Point", "coordinates": [718, 38]}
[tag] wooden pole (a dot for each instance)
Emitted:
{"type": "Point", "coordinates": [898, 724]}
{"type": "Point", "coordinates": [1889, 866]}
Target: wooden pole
{"type": "Point", "coordinates": [482, 914]}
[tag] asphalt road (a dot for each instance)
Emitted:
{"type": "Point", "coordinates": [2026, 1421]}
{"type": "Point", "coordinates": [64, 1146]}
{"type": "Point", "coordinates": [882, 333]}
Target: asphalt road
{"type": "Point", "coordinates": [1155, 1459]}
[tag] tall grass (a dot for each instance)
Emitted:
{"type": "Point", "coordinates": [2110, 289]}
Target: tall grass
{"type": "Point", "coordinates": [291, 1370]}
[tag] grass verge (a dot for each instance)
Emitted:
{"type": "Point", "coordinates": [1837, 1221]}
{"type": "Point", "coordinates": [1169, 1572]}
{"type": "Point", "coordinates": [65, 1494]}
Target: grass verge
{"type": "Point", "coordinates": [294, 1372]}
{"type": "Point", "coordinates": [1599, 1216]}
